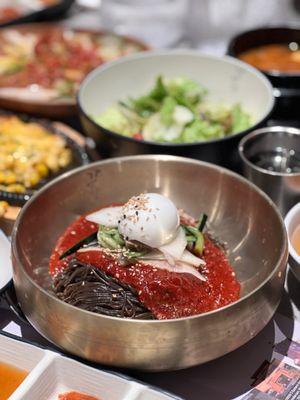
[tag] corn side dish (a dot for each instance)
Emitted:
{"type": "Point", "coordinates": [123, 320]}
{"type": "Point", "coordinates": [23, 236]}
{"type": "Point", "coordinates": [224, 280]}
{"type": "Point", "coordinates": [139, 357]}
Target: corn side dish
{"type": "Point", "coordinates": [28, 154]}
{"type": "Point", "coordinates": [3, 208]}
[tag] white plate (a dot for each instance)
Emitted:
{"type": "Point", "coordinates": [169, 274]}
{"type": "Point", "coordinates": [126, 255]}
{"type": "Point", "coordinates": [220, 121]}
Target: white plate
{"type": "Point", "coordinates": [50, 374]}
{"type": "Point", "coordinates": [5, 261]}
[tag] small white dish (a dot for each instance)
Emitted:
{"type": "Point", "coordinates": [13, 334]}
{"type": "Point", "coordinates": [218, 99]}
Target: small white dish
{"type": "Point", "coordinates": [6, 272]}
{"type": "Point", "coordinates": [292, 221]}
{"type": "Point", "coordinates": [51, 374]}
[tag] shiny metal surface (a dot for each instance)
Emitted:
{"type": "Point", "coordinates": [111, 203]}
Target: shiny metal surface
{"type": "Point", "coordinates": [271, 160]}
{"type": "Point", "coordinates": [239, 213]}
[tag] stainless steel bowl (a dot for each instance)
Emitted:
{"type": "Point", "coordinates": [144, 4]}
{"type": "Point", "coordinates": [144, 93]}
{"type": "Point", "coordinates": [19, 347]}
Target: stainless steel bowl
{"type": "Point", "coordinates": [271, 160]}
{"type": "Point", "coordinates": [239, 213]}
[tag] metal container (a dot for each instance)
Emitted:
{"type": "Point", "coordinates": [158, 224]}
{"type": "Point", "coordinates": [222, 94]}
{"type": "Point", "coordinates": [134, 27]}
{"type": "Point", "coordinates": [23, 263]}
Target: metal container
{"type": "Point", "coordinates": [228, 81]}
{"type": "Point", "coordinates": [271, 160]}
{"type": "Point", "coordinates": [239, 213]}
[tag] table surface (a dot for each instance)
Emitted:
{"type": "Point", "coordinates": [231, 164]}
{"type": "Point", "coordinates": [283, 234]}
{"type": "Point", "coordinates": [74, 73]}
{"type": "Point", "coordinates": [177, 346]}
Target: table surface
{"type": "Point", "coordinates": [225, 378]}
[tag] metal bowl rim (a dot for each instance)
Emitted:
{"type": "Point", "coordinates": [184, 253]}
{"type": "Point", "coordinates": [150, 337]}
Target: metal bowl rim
{"type": "Point", "coordinates": [282, 257]}
{"type": "Point", "coordinates": [165, 53]}
{"type": "Point", "coordinates": [260, 132]}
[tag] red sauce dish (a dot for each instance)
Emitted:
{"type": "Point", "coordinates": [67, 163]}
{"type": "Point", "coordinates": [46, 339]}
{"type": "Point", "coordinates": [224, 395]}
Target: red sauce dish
{"type": "Point", "coordinates": [162, 281]}
{"type": "Point", "coordinates": [76, 396]}
{"type": "Point", "coordinates": [55, 59]}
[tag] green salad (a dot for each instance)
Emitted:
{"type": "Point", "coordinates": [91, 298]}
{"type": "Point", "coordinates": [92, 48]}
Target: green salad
{"type": "Point", "coordinates": [174, 111]}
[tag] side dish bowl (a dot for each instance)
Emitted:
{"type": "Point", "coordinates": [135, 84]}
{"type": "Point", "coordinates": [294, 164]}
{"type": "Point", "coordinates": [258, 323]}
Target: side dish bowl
{"type": "Point", "coordinates": [257, 246]}
{"type": "Point", "coordinates": [292, 222]}
{"type": "Point", "coordinates": [287, 84]}
{"type": "Point", "coordinates": [79, 155]}
{"type": "Point", "coordinates": [227, 81]}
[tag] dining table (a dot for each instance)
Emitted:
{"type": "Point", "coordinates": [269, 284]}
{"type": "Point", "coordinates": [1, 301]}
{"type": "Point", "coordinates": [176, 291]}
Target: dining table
{"type": "Point", "coordinates": [232, 376]}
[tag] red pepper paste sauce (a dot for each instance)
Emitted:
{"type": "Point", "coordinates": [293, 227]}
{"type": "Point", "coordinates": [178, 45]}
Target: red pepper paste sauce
{"type": "Point", "coordinates": [54, 57]}
{"type": "Point", "coordinates": [75, 396]}
{"type": "Point", "coordinates": [166, 294]}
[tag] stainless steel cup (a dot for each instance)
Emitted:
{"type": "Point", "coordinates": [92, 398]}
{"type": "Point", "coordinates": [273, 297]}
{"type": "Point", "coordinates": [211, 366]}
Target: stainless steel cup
{"type": "Point", "coordinates": [271, 160]}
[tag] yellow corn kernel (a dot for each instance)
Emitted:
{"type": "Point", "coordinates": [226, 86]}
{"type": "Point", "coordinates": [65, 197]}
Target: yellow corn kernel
{"type": "Point", "coordinates": [10, 178]}
{"type": "Point", "coordinates": [65, 158]}
{"type": "Point", "coordinates": [32, 179]}
{"type": "Point", "coordinates": [52, 162]}
{"type": "Point", "coordinates": [2, 177]}
{"type": "Point", "coordinates": [42, 169]}
{"type": "Point", "coordinates": [15, 188]}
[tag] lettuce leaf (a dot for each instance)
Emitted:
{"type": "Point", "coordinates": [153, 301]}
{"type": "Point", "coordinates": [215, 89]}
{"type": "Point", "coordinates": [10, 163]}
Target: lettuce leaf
{"type": "Point", "coordinates": [187, 92]}
{"type": "Point", "coordinates": [200, 130]}
{"type": "Point", "coordinates": [240, 119]}
{"type": "Point", "coordinates": [114, 120]}
{"type": "Point", "coordinates": [167, 110]}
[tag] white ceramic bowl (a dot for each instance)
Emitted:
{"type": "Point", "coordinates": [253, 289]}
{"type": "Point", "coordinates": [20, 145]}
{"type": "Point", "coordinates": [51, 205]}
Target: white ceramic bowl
{"type": "Point", "coordinates": [226, 79]}
{"type": "Point", "coordinates": [292, 221]}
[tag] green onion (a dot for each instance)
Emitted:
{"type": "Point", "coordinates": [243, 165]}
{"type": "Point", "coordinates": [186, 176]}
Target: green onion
{"type": "Point", "coordinates": [133, 254]}
{"type": "Point", "coordinates": [199, 245]}
{"type": "Point", "coordinates": [109, 238]}
{"type": "Point", "coordinates": [191, 229]}
{"type": "Point", "coordinates": [118, 239]}
{"type": "Point", "coordinates": [202, 222]}
{"type": "Point", "coordinates": [193, 235]}
{"type": "Point", "coordinates": [190, 239]}
{"type": "Point", "coordinates": [108, 241]}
